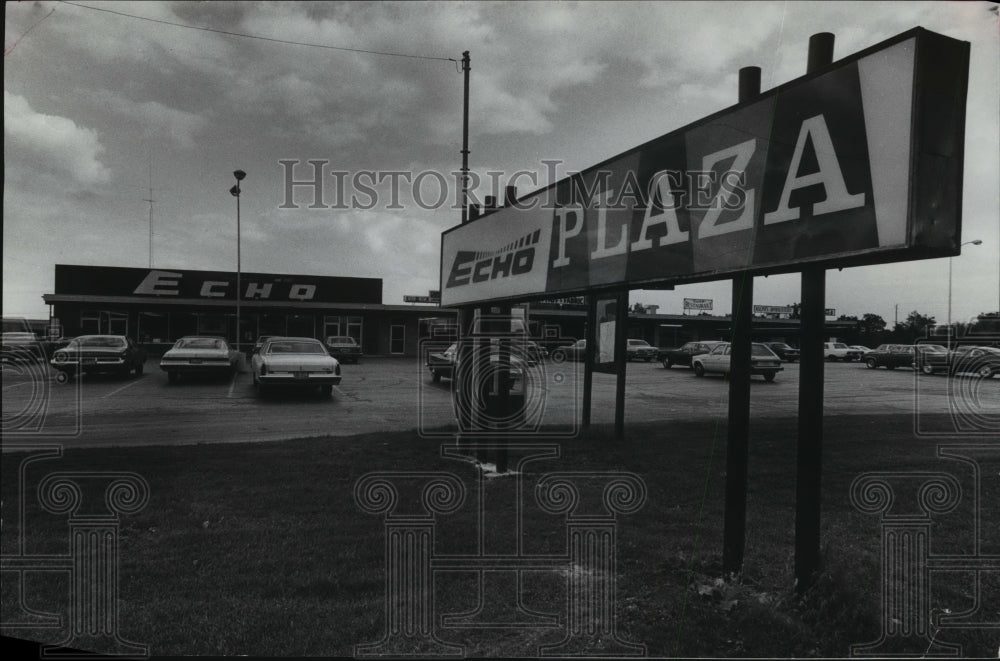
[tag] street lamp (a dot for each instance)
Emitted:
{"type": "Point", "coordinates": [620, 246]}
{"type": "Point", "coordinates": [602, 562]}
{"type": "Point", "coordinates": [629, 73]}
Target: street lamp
{"type": "Point", "coordinates": [974, 242]}
{"type": "Point", "coordinates": [235, 191]}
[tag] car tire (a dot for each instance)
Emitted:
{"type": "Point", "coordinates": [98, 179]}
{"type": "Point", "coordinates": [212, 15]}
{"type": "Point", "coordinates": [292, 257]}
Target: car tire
{"type": "Point", "coordinates": [927, 369]}
{"type": "Point", "coordinates": [667, 364]}
{"type": "Point", "coordinates": [698, 369]}
{"type": "Point", "coordinates": [436, 377]}
{"type": "Point", "coordinates": [326, 390]}
{"type": "Point", "coordinates": [173, 376]}
{"type": "Point", "coordinates": [871, 363]}
{"type": "Point", "coordinates": [558, 357]}
{"type": "Point", "coordinates": [138, 369]}
{"type": "Point", "coordinates": [648, 358]}
{"type": "Point", "coordinates": [890, 367]}
{"type": "Point", "coordinates": [985, 372]}
{"type": "Point", "coordinates": [769, 376]}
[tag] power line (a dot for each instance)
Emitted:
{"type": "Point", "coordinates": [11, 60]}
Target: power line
{"type": "Point", "coordinates": [254, 36]}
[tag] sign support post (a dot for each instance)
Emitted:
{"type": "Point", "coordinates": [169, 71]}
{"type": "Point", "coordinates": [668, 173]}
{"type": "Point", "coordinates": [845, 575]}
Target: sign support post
{"type": "Point", "coordinates": [809, 462]}
{"type": "Point", "coordinates": [738, 429]}
{"type": "Point", "coordinates": [588, 358]}
{"type": "Point", "coordinates": [621, 359]}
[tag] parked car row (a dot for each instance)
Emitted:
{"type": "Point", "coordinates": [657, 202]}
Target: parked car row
{"type": "Point", "coordinates": [275, 361]}
{"type": "Point", "coordinates": [984, 362]}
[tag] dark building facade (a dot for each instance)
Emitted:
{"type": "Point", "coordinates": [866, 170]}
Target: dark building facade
{"type": "Point", "coordinates": [157, 306]}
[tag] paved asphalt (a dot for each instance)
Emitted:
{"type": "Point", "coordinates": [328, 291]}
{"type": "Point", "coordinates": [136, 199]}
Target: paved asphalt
{"type": "Point", "coordinates": [394, 394]}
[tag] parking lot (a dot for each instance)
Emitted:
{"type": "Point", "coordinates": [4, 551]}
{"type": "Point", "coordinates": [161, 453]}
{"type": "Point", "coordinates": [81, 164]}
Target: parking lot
{"type": "Point", "coordinates": [390, 394]}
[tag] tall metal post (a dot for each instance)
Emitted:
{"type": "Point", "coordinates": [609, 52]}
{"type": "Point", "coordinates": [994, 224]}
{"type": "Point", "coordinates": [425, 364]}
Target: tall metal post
{"type": "Point", "coordinates": [738, 439]}
{"type": "Point", "coordinates": [809, 465]}
{"type": "Point", "coordinates": [235, 190]}
{"type": "Point", "coordinates": [466, 67]}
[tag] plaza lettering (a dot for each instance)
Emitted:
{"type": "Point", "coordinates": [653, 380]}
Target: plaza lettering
{"type": "Point", "coordinates": [729, 209]}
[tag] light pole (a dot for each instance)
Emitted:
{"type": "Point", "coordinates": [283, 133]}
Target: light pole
{"type": "Point", "coordinates": [974, 242]}
{"type": "Point", "coordinates": [235, 191]}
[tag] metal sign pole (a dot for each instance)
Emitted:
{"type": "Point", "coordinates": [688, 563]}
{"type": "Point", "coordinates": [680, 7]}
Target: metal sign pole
{"type": "Point", "coordinates": [738, 439]}
{"type": "Point", "coordinates": [588, 358]}
{"type": "Point", "coordinates": [621, 328]}
{"type": "Point", "coordinates": [810, 441]}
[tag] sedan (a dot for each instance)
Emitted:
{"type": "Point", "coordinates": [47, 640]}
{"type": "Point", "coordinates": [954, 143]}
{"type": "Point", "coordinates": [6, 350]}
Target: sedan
{"type": "Point", "coordinates": [785, 352]}
{"type": "Point", "coordinates": [441, 364]}
{"type": "Point", "coordinates": [21, 347]}
{"type": "Point", "coordinates": [639, 350]}
{"type": "Point", "coordinates": [344, 348]}
{"type": "Point", "coordinates": [763, 361]}
{"type": "Point", "coordinates": [295, 362]}
{"type": "Point", "coordinates": [575, 351]}
{"type": "Point", "coordinates": [682, 355]}
{"type": "Point", "coordinates": [100, 353]}
{"type": "Point", "coordinates": [984, 362]}
{"type": "Point", "coordinates": [199, 355]}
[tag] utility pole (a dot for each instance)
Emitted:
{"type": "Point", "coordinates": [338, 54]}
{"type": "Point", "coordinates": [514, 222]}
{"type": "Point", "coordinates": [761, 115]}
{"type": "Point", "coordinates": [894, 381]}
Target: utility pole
{"type": "Point", "coordinates": [150, 200]}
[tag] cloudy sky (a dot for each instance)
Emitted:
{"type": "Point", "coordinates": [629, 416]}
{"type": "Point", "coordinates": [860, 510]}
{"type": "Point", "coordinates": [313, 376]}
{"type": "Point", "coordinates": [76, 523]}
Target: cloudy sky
{"type": "Point", "coordinates": [99, 107]}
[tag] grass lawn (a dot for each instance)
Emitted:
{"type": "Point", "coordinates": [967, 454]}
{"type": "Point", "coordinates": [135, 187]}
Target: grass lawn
{"type": "Point", "coordinates": [260, 549]}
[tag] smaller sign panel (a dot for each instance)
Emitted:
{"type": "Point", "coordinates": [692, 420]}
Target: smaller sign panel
{"type": "Point", "coordinates": [830, 312]}
{"type": "Point", "coordinates": [421, 299]}
{"type": "Point", "coordinates": [773, 309]}
{"type": "Point", "coordinates": [699, 304]}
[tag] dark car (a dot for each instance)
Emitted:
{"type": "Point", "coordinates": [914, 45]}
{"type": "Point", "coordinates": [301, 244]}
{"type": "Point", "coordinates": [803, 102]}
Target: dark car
{"type": "Point", "coordinates": [196, 354]}
{"type": "Point", "coordinates": [683, 354]}
{"type": "Point", "coordinates": [100, 353]}
{"type": "Point", "coordinates": [639, 350]}
{"type": "Point", "coordinates": [22, 347]}
{"type": "Point", "coordinates": [441, 364]}
{"type": "Point", "coordinates": [891, 356]}
{"type": "Point", "coordinates": [785, 352]}
{"type": "Point", "coordinates": [344, 348]}
{"type": "Point", "coordinates": [984, 362]}
{"type": "Point", "coordinates": [575, 351]}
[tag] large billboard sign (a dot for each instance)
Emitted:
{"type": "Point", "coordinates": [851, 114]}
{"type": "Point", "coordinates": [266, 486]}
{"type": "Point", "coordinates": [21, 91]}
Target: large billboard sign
{"type": "Point", "coordinates": [857, 163]}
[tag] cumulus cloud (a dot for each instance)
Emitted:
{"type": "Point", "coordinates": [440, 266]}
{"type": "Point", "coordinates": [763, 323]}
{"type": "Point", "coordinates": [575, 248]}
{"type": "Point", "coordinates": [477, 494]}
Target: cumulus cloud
{"type": "Point", "coordinates": [57, 143]}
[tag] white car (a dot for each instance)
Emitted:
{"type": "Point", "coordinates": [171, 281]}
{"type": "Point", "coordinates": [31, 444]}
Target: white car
{"type": "Point", "coordinates": [763, 361]}
{"type": "Point", "coordinates": [198, 355]}
{"type": "Point", "coordinates": [840, 351]}
{"type": "Point", "coordinates": [295, 362]}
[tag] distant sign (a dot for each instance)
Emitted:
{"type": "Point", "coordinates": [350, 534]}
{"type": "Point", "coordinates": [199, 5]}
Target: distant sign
{"type": "Point", "coordinates": [773, 309]}
{"type": "Point", "coordinates": [857, 163]}
{"type": "Point", "coordinates": [421, 299]}
{"type": "Point", "coordinates": [786, 309]}
{"type": "Point", "coordinates": [697, 303]}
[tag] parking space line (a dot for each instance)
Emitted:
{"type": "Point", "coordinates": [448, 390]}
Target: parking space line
{"type": "Point", "coordinates": [232, 384]}
{"type": "Point", "coordinates": [117, 390]}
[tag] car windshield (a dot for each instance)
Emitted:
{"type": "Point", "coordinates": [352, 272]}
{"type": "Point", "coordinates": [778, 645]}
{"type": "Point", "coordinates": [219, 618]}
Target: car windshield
{"type": "Point", "coordinates": [761, 350]}
{"type": "Point", "coordinates": [199, 343]}
{"type": "Point", "coordinates": [98, 341]}
{"type": "Point", "coordinates": [934, 348]}
{"type": "Point", "coordinates": [340, 340]}
{"type": "Point", "coordinates": [296, 346]}
{"type": "Point", "coordinates": [640, 343]}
